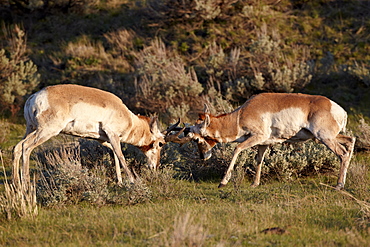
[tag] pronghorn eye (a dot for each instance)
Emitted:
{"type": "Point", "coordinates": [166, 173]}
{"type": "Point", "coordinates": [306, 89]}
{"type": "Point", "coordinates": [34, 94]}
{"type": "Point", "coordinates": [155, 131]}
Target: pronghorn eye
{"type": "Point", "coordinates": [161, 144]}
{"type": "Point", "coordinates": [196, 140]}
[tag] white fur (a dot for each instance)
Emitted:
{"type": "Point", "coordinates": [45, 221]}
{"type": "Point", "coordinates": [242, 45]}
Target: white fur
{"type": "Point", "coordinates": [282, 125]}
{"type": "Point", "coordinates": [339, 115]}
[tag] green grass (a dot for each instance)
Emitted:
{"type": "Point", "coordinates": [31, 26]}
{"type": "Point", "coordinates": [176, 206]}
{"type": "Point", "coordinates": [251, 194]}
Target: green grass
{"type": "Point", "coordinates": [311, 214]}
{"type": "Point", "coordinates": [182, 212]}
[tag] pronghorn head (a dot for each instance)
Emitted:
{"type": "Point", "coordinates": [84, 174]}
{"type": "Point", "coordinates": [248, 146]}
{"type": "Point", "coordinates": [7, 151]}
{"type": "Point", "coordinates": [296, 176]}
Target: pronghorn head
{"type": "Point", "coordinates": [153, 150]}
{"type": "Point", "coordinates": [199, 133]}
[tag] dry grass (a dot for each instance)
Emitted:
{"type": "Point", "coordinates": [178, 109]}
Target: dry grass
{"type": "Point", "coordinates": [18, 201]}
{"type": "Point", "coordinates": [363, 135]}
{"type": "Point", "coordinates": [186, 233]}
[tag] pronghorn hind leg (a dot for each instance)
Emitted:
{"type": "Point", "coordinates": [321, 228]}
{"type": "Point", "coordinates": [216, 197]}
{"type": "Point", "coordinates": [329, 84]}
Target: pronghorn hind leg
{"type": "Point", "coordinates": [33, 140]}
{"type": "Point", "coordinates": [259, 158]}
{"type": "Point", "coordinates": [17, 153]}
{"type": "Point", "coordinates": [343, 147]}
{"type": "Point", "coordinates": [348, 143]}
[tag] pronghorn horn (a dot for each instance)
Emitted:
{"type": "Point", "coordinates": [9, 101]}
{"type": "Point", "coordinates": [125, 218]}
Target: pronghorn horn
{"type": "Point", "coordinates": [175, 137]}
{"type": "Point", "coordinates": [171, 128]}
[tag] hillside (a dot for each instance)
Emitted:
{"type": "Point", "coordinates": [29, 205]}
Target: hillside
{"type": "Point", "coordinates": [171, 56]}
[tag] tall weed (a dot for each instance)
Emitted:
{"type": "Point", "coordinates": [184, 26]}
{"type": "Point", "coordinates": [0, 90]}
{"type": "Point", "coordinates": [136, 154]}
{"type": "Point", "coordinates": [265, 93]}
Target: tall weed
{"type": "Point", "coordinates": [186, 233]}
{"type": "Point", "coordinates": [18, 201]}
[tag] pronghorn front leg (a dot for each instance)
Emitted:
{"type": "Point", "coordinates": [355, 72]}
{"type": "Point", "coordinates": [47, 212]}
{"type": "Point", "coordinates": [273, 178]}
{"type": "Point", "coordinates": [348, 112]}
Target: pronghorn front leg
{"type": "Point", "coordinates": [250, 142]}
{"type": "Point", "coordinates": [116, 146]}
{"type": "Point", "coordinates": [116, 162]}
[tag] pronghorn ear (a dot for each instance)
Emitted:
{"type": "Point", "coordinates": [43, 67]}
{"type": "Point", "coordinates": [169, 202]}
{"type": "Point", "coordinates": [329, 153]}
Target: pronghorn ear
{"type": "Point", "coordinates": [207, 121]}
{"type": "Point", "coordinates": [205, 124]}
{"type": "Point", "coordinates": [153, 124]}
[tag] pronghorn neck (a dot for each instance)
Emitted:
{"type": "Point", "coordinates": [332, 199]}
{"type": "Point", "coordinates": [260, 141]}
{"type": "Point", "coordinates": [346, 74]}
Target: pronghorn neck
{"type": "Point", "coordinates": [223, 128]}
{"type": "Point", "coordinates": [140, 134]}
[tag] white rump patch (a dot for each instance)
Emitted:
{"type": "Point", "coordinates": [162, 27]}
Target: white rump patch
{"type": "Point", "coordinates": [339, 114]}
{"type": "Point", "coordinates": [40, 101]}
{"type": "Point", "coordinates": [35, 105]}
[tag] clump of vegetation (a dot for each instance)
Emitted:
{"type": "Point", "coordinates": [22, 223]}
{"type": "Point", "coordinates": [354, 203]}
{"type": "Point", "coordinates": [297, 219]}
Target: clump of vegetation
{"type": "Point", "coordinates": [361, 72]}
{"type": "Point", "coordinates": [270, 67]}
{"type": "Point", "coordinates": [289, 162]}
{"type": "Point", "coordinates": [186, 233]}
{"type": "Point", "coordinates": [163, 79]}
{"type": "Point", "coordinates": [283, 162]}
{"type": "Point", "coordinates": [64, 179]}
{"type": "Point", "coordinates": [18, 74]}
{"type": "Point", "coordinates": [362, 133]}
{"type": "Point", "coordinates": [17, 201]}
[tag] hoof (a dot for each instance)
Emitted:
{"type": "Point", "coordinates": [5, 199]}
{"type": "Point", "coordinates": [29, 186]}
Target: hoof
{"type": "Point", "coordinates": [339, 186]}
{"type": "Point", "coordinates": [221, 185]}
{"type": "Point", "coordinates": [254, 185]}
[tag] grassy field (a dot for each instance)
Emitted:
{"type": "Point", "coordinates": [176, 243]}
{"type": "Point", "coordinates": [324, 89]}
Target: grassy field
{"type": "Point", "coordinates": [310, 215]}
{"type": "Point", "coordinates": [182, 206]}
{"type": "Point", "coordinates": [181, 212]}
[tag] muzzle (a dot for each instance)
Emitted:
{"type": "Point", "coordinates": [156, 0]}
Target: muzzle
{"type": "Point", "coordinates": [206, 155]}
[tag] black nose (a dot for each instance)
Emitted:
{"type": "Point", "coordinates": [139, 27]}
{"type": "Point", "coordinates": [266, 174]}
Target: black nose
{"type": "Point", "coordinates": [201, 155]}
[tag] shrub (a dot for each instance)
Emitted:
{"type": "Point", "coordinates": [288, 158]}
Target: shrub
{"type": "Point", "coordinates": [276, 69]}
{"type": "Point", "coordinates": [270, 67]}
{"type": "Point", "coordinates": [189, 10]}
{"type": "Point", "coordinates": [284, 162]}
{"type": "Point", "coordinates": [361, 72]}
{"type": "Point", "coordinates": [362, 133]}
{"type": "Point", "coordinates": [65, 179]}
{"type": "Point", "coordinates": [288, 162]}
{"type": "Point", "coordinates": [18, 74]}
{"type": "Point", "coordinates": [163, 79]}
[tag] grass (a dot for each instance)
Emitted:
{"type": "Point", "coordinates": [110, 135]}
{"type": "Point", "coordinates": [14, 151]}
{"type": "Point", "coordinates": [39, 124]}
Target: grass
{"type": "Point", "coordinates": [172, 208]}
{"type": "Point", "coordinates": [311, 214]}
{"type": "Point", "coordinates": [181, 211]}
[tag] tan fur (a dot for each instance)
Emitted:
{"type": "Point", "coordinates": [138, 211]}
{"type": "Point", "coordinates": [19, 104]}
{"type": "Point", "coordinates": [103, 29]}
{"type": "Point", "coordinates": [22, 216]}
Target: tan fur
{"type": "Point", "coordinates": [270, 118]}
{"type": "Point", "coordinates": [85, 112]}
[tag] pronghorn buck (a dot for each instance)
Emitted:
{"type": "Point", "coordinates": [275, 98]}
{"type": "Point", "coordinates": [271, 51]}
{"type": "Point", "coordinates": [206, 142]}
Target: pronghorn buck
{"type": "Point", "coordinates": [90, 113]}
{"type": "Point", "coordinates": [270, 118]}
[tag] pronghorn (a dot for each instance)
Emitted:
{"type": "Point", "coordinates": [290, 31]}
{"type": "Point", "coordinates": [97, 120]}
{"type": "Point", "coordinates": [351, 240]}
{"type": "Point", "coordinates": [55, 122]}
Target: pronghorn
{"type": "Point", "coordinates": [90, 113]}
{"type": "Point", "coordinates": [270, 118]}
